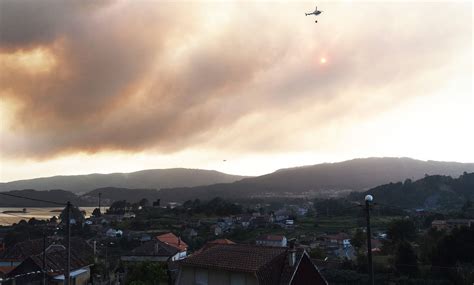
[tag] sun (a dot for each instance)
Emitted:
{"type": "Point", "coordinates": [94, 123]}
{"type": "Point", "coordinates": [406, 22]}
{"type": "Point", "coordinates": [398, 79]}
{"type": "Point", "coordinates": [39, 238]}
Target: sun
{"type": "Point", "coordinates": [322, 60]}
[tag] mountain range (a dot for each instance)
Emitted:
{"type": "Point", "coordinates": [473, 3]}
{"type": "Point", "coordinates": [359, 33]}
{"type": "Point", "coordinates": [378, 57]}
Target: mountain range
{"type": "Point", "coordinates": [320, 180]}
{"type": "Point", "coordinates": [324, 180]}
{"type": "Point", "coordinates": [151, 179]}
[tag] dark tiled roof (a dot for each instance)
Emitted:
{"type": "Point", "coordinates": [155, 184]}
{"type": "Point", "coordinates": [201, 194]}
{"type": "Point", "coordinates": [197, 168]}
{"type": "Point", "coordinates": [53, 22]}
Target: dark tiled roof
{"type": "Point", "coordinates": [154, 248]}
{"type": "Point", "coordinates": [269, 264]}
{"type": "Point", "coordinates": [56, 261]}
{"type": "Point", "coordinates": [287, 271]}
{"type": "Point", "coordinates": [306, 273]}
{"type": "Point", "coordinates": [235, 257]}
{"type": "Point", "coordinates": [23, 250]}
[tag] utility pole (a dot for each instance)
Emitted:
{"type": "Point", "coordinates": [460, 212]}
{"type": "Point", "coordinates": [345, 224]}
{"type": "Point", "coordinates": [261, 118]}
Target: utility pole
{"type": "Point", "coordinates": [100, 194]}
{"type": "Point", "coordinates": [44, 257]}
{"type": "Point", "coordinates": [68, 244]}
{"type": "Point", "coordinates": [106, 264]}
{"type": "Point", "coordinates": [368, 200]}
{"type": "Point", "coordinates": [107, 275]}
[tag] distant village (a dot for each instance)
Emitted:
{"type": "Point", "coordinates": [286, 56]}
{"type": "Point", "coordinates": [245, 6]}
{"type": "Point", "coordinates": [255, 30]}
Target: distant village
{"type": "Point", "coordinates": [211, 242]}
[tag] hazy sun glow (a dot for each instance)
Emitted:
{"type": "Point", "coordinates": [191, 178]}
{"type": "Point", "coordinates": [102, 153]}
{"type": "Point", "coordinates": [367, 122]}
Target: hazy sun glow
{"type": "Point", "coordinates": [322, 60]}
{"type": "Point", "coordinates": [37, 60]}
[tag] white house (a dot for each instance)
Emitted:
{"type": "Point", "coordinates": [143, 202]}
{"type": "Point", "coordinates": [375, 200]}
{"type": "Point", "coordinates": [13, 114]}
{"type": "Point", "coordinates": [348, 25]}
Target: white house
{"type": "Point", "coordinates": [113, 233]}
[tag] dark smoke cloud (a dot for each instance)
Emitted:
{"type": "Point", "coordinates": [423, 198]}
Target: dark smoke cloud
{"type": "Point", "coordinates": [138, 75]}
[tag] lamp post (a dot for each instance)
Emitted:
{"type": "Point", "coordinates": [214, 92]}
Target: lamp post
{"type": "Point", "coordinates": [368, 200]}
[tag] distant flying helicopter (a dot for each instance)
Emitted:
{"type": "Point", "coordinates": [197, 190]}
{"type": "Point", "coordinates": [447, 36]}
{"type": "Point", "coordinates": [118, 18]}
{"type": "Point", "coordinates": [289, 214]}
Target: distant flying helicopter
{"type": "Point", "coordinates": [316, 13]}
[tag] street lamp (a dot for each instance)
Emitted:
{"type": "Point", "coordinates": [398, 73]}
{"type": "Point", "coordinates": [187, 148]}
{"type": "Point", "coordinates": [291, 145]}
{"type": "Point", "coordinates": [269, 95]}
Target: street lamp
{"type": "Point", "coordinates": [368, 200]}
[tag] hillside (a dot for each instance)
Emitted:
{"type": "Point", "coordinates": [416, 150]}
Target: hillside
{"type": "Point", "coordinates": [325, 179]}
{"type": "Point", "coordinates": [110, 194]}
{"type": "Point", "coordinates": [431, 192]}
{"type": "Point", "coordinates": [152, 179]}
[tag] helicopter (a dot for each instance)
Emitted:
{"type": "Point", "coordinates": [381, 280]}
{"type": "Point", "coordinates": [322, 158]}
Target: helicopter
{"type": "Point", "coordinates": [316, 13]}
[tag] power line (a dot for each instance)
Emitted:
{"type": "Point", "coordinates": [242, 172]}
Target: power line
{"type": "Point", "coordinates": [33, 199]}
{"type": "Point", "coordinates": [22, 206]}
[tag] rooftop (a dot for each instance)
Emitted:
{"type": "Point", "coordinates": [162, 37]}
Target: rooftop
{"type": "Point", "coordinates": [270, 265]}
{"type": "Point", "coordinates": [172, 240]}
{"type": "Point", "coordinates": [221, 241]}
{"type": "Point", "coordinates": [25, 249]}
{"type": "Point", "coordinates": [56, 261]}
{"type": "Point", "coordinates": [271, 237]}
{"type": "Point", "coordinates": [235, 257]}
{"type": "Point", "coordinates": [154, 248]}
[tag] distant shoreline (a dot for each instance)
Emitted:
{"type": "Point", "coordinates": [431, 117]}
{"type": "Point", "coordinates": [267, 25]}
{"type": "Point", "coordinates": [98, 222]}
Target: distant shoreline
{"type": "Point", "coordinates": [15, 212]}
{"type": "Point", "coordinates": [12, 215]}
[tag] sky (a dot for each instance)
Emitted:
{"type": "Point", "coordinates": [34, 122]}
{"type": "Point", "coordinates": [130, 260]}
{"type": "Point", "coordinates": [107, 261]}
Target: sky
{"type": "Point", "coordinates": [237, 86]}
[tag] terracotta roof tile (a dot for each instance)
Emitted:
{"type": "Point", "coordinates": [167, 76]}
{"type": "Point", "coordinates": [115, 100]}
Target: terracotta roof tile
{"type": "Point", "coordinates": [172, 240]}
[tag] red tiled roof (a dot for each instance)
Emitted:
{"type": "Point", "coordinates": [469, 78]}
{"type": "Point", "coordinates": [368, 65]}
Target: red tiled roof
{"type": "Point", "coordinates": [172, 240]}
{"type": "Point", "coordinates": [214, 243]}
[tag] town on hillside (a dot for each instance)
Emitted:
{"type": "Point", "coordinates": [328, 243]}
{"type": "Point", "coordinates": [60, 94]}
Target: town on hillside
{"type": "Point", "coordinates": [245, 241]}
